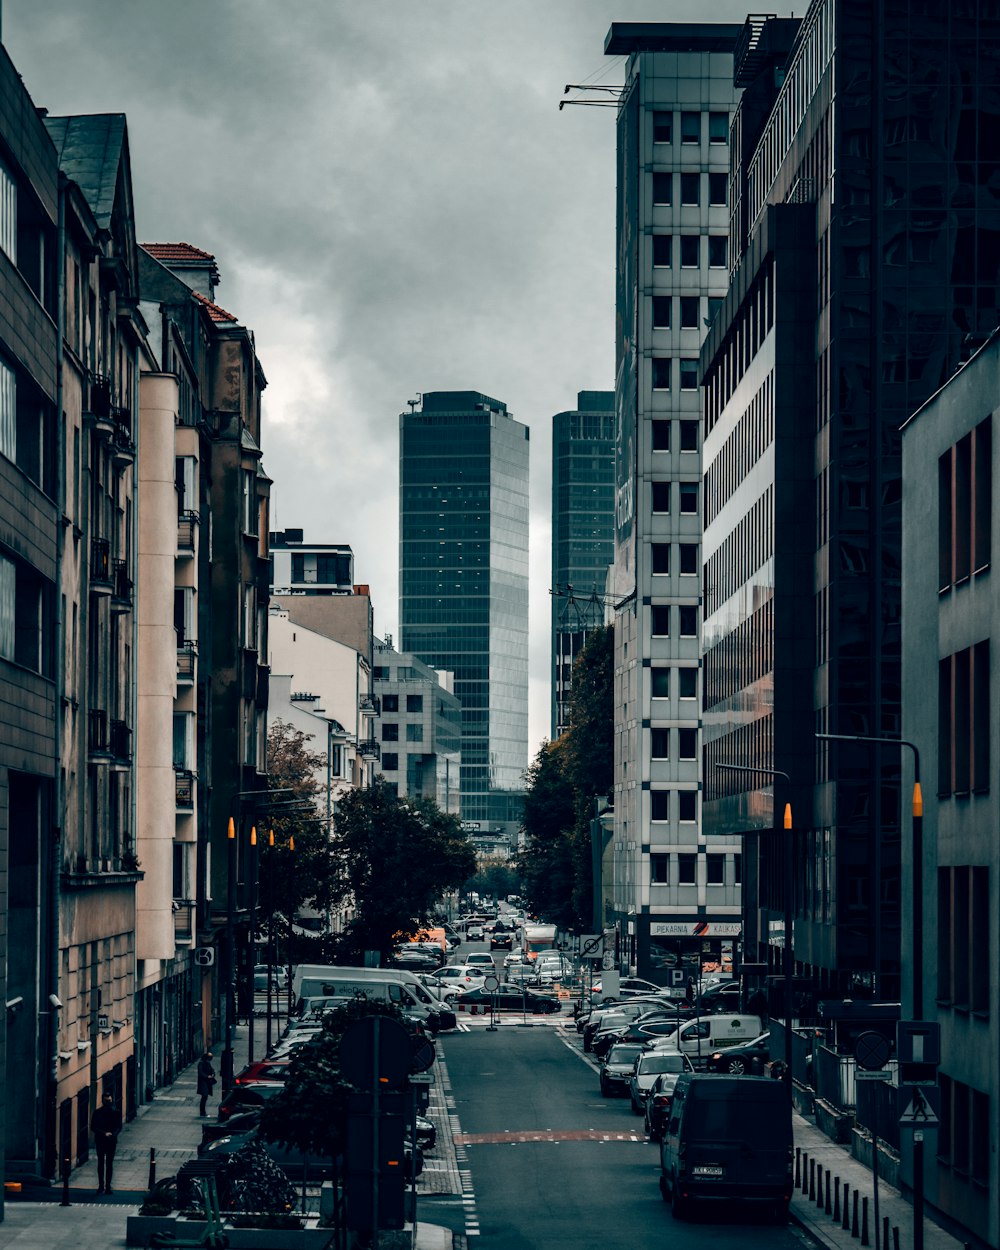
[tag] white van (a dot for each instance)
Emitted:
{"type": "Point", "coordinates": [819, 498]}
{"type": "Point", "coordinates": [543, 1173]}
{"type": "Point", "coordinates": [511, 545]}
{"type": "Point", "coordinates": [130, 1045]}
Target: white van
{"type": "Point", "coordinates": [700, 1038]}
{"type": "Point", "coordinates": [390, 984]}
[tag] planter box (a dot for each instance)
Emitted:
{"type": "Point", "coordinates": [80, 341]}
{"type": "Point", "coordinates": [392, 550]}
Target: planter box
{"type": "Point", "coordinates": [140, 1228]}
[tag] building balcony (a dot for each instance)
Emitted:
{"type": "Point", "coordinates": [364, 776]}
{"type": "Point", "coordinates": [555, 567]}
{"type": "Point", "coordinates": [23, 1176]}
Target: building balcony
{"type": "Point", "coordinates": [187, 525]}
{"type": "Point", "coordinates": [122, 442]}
{"type": "Point", "coordinates": [370, 705]}
{"type": "Point", "coordinates": [187, 663]}
{"type": "Point", "coordinates": [98, 737]}
{"type": "Point", "coordinates": [101, 569]}
{"type": "Point", "coordinates": [370, 749]}
{"type": "Point", "coordinates": [99, 414]}
{"type": "Point", "coordinates": [184, 781]}
{"type": "Point", "coordinates": [121, 587]}
{"type": "Point", "coordinates": [120, 743]}
{"type": "Point", "coordinates": [184, 928]}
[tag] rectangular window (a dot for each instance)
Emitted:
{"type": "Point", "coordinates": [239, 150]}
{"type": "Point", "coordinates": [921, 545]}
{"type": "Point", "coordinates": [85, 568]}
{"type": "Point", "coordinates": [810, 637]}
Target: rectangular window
{"type": "Point", "coordinates": [662, 244]}
{"type": "Point", "coordinates": [8, 608]}
{"type": "Point", "coordinates": [687, 869]}
{"type": "Point", "coordinates": [689, 436]}
{"type": "Point", "coordinates": [715, 870]}
{"type": "Point", "coordinates": [663, 124]}
{"type": "Point", "coordinates": [688, 683]}
{"type": "Point", "coordinates": [690, 128]}
{"type": "Point", "coordinates": [8, 214]}
{"type": "Point", "coordinates": [687, 805]}
{"type": "Point", "coordinates": [414, 733]}
{"type": "Point", "coordinates": [661, 373]}
{"type": "Point", "coordinates": [186, 483]}
{"type": "Point", "coordinates": [717, 188]}
{"type": "Point", "coordinates": [390, 732]}
{"type": "Point", "coordinates": [718, 248]}
{"type": "Point", "coordinates": [982, 508]}
{"type": "Point", "coordinates": [718, 127]}
{"type": "Point", "coordinates": [737, 869]}
{"type": "Point", "coordinates": [979, 922]}
{"type": "Point", "coordinates": [945, 503]}
{"type": "Point", "coordinates": [661, 312]}
{"type": "Point", "coordinates": [250, 511]}
{"type": "Point", "coordinates": [390, 762]}
{"type": "Point", "coordinates": [661, 435]}
{"type": "Point", "coordinates": [689, 375]}
{"type": "Point", "coordinates": [659, 869]}
{"type": "Point", "coordinates": [659, 744]}
{"type": "Point", "coordinates": [689, 251]}
{"type": "Point", "coordinates": [662, 188]}
{"type": "Point", "coordinates": [980, 694]}
{"type": "Point", "coordinates": [660, 620]}
{"type": "Point", "coordinates": [390, 703]}
{"type": "Point", "coordinates": [944, 727]}
{"type": "Point", "coordinates": [661, 496]}
{"type": "Point", "coordinates": [690, 186]}
{"type": "Point", "coordinates": [660, 683]}
{"type": "Point", "coordinates": [689, 497]}
{"type": "Point", "coordinates": [659, 805]}
{"type": "Point", "coordinates": [184, 740]}
{"type": "Point", "coordinates": [689, 559]}
{"type": "Point", "coordinates": [689, 621]}
{"type": "Point", "coordinates": [687, 744]}
{"type": "Point", "coordinates": [944, 978]}
{"type": "Point", "coordinates": [962, 518]}
{"type": "Point", "coordinates": [661, 559]}
{"type": "Point", "coordinates": [414, 702]}
{"type": "Point", "coordinates": [689, 312]}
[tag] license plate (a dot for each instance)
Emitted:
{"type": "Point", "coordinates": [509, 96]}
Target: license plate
{"type": "Point", "coordinates": [709, 1171]}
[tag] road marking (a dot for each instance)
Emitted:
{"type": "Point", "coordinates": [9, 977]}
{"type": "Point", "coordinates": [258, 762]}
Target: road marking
{"type": "Point", "coordinates": [513, 1137]}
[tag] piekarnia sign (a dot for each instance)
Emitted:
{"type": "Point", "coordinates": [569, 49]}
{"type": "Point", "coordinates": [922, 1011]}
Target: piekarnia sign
{"type": "Point", "coordinates": [695, 928]}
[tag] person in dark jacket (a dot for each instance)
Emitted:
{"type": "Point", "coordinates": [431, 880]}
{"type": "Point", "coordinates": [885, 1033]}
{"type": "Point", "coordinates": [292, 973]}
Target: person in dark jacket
{"type": "Point", "coordinates": [105, 1124]}
{"type": "Point", "coordinates": [206, 1080]}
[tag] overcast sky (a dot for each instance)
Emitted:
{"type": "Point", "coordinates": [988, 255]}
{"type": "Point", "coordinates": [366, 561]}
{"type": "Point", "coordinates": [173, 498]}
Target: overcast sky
{"type": "Point", "coordinates": [396, 205]}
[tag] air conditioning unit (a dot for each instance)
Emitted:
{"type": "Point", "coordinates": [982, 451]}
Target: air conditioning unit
{"type": "Point", "coordinates": [204, 956]}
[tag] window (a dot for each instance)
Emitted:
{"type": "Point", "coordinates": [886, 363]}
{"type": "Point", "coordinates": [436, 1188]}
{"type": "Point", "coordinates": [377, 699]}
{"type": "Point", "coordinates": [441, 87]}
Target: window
{"type": "Point", "coordinates": [414, 702]}
{"type": "Point", "coordinates": [8, 214]}
{"type": "Point", "coordinates": [660, 616]}
{"type": "Point", "coordinates": [689, 621]}
{"type": "Point", "coordinates": [661, 312]}
{"type": "Point", "coordinates": [659, 805]}
{"type": "Point", "coordinates": [659, 744]}
{"type": "Point", "coordinates": [737, 869]}
{"type": "Point", "coordinates": [250, 514]}
{"type": "Point", "coordinates": [661, 435]}
{"type": "Point", "coordinates": [663, 124]}
{"type": "Point", "coordinates": [661, 373]}
{"type": "Point", "coordinates": [390, 703]}
{"type": "Point", "coordinates": [186, 483]}
{"type": "Point", "coordinates": [390, 762]}
{"type": "Point", "coordinates": [687, 802]}
{"type": "Point", "coordinates": [715, 870]}
{"type": "Point", "coordinates": [717, 251]}
{"type": "Point", "coordinates": [662, 188]}
{"type": "Point", "coordinates": [689, 188]}
{"type": "Point", "coordinates": [8, 412]}
{"type": "Point", "coordinates": [414, 733]}
{"type": "Point", "coordinates": [717, 188]}
{"type": "Point", "coordinates": [184, 614]}
{"type": "Point", "coordinates": [714, 304]}
{"type": "Point", "coordinates": [660, 683]}
{"type": "Point", "coordinates": [661, 496]}
{"type": "Point", "coordinates": [659, 869]}
{"type": "Point", "coordinates": [687, 744]}
{"type": "Point", "coordinates": [661, 558]}
{"type": "Point", "coordinates": [689, 436]}
{"type": "Point", "coordinates": [689, 251]}
{"type": "Point", "coordinates": [690, 128]}
{"type": "Point", "coordinates": [687, 869]}
{"type": "Point", "coordinates": [689, 497]}
{"type": "Point", "coordinates": [718, 127]}
{"type": "Point", "coordinates": [390, 733]}
{"type": "Point", "coordinates": [184, 740]}
{"type": "Point", "coordinates": [689, 312]}
{"type": "Point", "coordinates": [25, 617]}
{"type": "Point", "coordinates": [688, 683]}
{"type": "Point", "coordinates": [689, 559]}
{"type": "Point", "coordinates": [662, 250]}
{"type": "Point", "coordinates": [689, 375]}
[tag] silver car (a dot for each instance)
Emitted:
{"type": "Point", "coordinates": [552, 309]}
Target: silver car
{"type": "Point", "coordinates": [648, 1067]}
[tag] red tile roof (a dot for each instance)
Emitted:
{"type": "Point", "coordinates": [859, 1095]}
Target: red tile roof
{"type": "Point", "coordinates": [214, 311]}
{"type": "Point", "coordinates": [176, 252]}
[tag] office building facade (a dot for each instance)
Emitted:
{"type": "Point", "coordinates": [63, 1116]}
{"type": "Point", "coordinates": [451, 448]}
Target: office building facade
{"type": "Point", "coordinates": [675, 898]}
{"type": "Point", "coordinates": [463, 581]}
{"type": "Point", "coordinates": [583, 493]}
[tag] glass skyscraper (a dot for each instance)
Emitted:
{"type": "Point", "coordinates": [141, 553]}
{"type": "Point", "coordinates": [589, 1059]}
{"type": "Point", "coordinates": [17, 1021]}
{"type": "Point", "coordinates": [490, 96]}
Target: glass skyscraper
{"type": "Point", "coordinates": [583, 533]}
{"type": "Point", "coordinates": [463, 581]}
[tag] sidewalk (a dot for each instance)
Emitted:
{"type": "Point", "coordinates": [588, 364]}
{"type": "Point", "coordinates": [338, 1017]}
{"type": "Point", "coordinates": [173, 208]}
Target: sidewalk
{"type": "Point", "coordinates": [170, 1125]}
{"type": "Point", "coordinates": [816, 1151]}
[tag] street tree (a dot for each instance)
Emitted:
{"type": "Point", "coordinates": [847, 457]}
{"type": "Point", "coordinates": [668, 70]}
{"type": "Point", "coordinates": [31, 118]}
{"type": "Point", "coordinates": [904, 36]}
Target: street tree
{"type": "Point", "coordinates": [546, 863]}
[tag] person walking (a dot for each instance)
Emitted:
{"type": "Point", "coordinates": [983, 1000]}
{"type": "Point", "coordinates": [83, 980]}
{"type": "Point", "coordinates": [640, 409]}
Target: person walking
{"type": "Point", "coordinates": [206, 1080]}
{"type": "Point", "coordinates": [105, 1124]}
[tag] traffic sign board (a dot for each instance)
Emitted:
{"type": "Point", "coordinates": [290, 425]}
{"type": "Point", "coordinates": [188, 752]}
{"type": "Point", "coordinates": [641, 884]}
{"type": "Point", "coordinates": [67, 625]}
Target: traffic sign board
{"type": "Point", "coordinates": [872, 1050]}
{"type": "Point", "coordinates": [491, 983]}
{"type": "Point", "coordinates": [873, 1074]}
{"type": "Point", "coordinates": [918, 1113]}
{"type": "Point", "coordinates": [592, 945]}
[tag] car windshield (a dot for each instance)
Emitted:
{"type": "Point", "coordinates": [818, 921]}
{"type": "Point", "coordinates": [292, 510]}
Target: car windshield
{"type": "Point", "coordinates": [623, 1054]}
{"type": "Point", "coordinates": [662, 1063]}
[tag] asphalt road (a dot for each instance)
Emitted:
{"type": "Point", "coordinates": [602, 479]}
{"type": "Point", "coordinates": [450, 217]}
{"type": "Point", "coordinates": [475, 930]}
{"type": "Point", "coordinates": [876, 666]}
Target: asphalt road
{"type": "Point", "coordinates": [554, 1166]}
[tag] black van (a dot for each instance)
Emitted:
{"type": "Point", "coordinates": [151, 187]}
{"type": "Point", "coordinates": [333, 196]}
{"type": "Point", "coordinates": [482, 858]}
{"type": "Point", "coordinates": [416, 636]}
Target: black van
{"type": "Point", "coordinates": [728, 1138]}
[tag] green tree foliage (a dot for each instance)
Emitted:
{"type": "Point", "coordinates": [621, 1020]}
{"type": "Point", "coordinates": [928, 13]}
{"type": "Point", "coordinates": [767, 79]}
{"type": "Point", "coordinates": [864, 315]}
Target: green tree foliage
{"type": "Point", "coordinates": [399, 856]}
{"type": "Point", "coordinates": [494, 878]}
{"type": "Point", "coordinates": [563, 782]}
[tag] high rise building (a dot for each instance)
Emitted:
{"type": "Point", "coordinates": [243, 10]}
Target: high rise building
{"type": "Point", "coordinates": [463, 581]}
{"type": "Point", "coordinates": [583, 507]}
{"type": "Point", "coordinates": [674, 897]}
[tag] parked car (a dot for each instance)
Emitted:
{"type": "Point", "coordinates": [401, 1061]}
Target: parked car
{"type": "Point", "coordinates": [513, 997]}
{"type": "Point", "coordinates": [474, 933]}
{"type": "Point", "coordinates": [263, 1070]}
{"type": "Point", "coordinates": [502, 938]}
{"type": "Point", "coordinates": [481, 959]}
{"type": "Point", "coordinates": [243, 1097]}
{"type": "Point", "coordinates": [296, 1164]}
{"type": "Point", "coordinates": [458, 977]}
{"type": "Point", "coordinates": [616, 1068]}
{"type": "Point", "coordinates": [721, 997]}
{"type": "Point", "coordinates": [738, 1060]}
{"type": "Point", "coordinates": [630, 986]}
{"type": "Point", "coordinates": [417, 955]}
{"type": "Point", "coordinates": [648, 1028]}
{"type": "Point", "coordinates": [649, 1067]}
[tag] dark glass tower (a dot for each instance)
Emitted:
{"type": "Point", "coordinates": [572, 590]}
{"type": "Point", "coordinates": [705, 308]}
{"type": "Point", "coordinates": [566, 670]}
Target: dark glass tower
{"type": "Point", "coordinates": [463, 581]}
{"type": "Point", "coordinates": [583, 534]}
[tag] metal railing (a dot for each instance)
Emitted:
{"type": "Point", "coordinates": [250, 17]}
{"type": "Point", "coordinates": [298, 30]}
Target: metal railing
{"type": "Point", "coordinates": [370, 749]}
{"type": "Point", "coordinates": [833, 1078]}
{"type": "Point", "coordinates": [97, 732]}
{"type": "Point", "coordinates": [187, 657]}
{"type": "Point", "coordinates": [121, 584]}
{"type": "Point", "coordinates": [120, 741]}
{"type": "Point", "coordinates": [184, 781]}
{"type": "Point", "coordinates": [100, 563]}
{"type": "Point", "coordinates": [187, 523]}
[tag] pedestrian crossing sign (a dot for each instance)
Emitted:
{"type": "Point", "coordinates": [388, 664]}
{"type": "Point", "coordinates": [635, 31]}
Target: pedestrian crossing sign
{"type": "Point", "coordinates": [918, 1113]}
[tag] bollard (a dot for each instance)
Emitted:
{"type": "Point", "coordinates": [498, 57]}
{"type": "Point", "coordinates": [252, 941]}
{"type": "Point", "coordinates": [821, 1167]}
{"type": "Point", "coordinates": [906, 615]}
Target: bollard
{"type": "Point", "coordinates": [812, 1180]}
{"type": "Point", "coordinates": [855, 1229]}
{"type": "Point", "coordinates": [885, 1232]}
{"type": "Point", "coordinates": [826, 1205]}
{"type": "Point", "coordinates": [805, 1170]}
{"type": "Point", "coordinates": [152, 1167]}
{"type": "Point", "coordinates": [895, 1237]}
{"type": "Point", "coordinates": [847, 1207]}
{"type": "Point", "coordinates": [819, 1185]}
{"type": "Point", "coordinates": [798, 1173]}
{"type": "Point", "coordinates": [65, 1193]}
{"type": "Point", "coordinates": [836, 1199]}
{"type": "Point", "coordinates": [865, 1241]}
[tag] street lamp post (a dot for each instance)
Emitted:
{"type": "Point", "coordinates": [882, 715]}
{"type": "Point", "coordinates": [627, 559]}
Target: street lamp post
{"type": "Point", "coordinates": [787, 953]}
